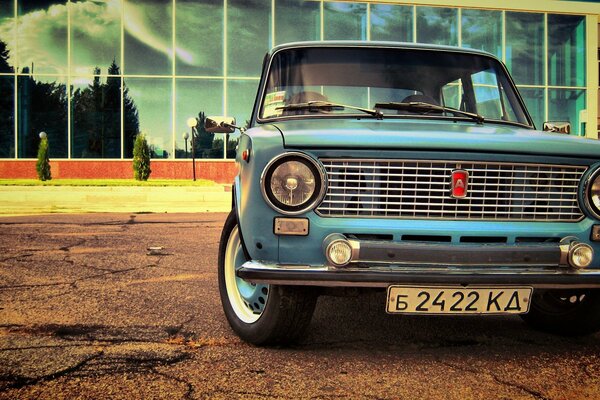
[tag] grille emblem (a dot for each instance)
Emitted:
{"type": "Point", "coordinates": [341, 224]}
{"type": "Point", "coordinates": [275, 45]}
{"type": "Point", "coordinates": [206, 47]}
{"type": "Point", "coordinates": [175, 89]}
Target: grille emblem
{"type": "Point", "coordinates": [460, 181]}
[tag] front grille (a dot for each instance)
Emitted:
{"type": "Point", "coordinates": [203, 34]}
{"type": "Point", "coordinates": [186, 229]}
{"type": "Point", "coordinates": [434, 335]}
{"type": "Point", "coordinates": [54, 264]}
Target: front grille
{"type": "Point", "coordinates": [421, 189]}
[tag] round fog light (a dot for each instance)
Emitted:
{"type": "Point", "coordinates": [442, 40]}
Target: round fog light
{"type": "Point", "coordinates": [581, 255]}
{"type": "Point", "coordinates": [339, 252]}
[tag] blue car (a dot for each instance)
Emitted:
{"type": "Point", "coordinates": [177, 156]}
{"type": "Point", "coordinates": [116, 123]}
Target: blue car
{"type": "Point", "coordinates": [410, 169]}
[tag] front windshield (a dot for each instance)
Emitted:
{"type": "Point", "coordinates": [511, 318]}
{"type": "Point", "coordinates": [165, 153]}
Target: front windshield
{"type": "Point", "coordinates": [301, 81]}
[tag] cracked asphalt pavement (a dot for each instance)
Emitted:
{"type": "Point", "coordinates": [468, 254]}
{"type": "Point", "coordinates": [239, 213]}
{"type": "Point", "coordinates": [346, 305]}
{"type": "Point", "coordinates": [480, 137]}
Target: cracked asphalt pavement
{"type": "Point", "coordinates": [126, 306]}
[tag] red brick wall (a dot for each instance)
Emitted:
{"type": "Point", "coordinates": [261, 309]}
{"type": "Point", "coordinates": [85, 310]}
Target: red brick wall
{"type": "Point", "coordinates": [218, 171]}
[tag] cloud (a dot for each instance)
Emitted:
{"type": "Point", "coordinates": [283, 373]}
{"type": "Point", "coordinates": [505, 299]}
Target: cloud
{"type": "Point", "coordinates": [96, 32]}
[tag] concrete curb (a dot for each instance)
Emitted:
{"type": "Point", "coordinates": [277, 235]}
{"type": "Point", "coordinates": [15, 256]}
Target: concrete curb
{"type": "Point", "coordinates": [131, 199]}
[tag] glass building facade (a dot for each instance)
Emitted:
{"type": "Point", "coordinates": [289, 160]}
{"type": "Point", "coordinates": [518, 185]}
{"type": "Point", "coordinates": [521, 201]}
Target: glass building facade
{"type": "Point", "coordinates": [92, 74]}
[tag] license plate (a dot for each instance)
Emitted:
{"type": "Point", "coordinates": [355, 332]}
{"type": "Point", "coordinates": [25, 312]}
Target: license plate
{"type": "Point", "coordinates": [458, 300]}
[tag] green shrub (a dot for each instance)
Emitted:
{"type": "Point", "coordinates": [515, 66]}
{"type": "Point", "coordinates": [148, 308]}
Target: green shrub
{"type": "Point", "coordinates": [141, 158]}
{"type": "Point", "coordinates": [43, 162]}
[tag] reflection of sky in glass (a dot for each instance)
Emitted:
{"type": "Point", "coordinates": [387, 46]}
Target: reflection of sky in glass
{"type": "Point", "coordinates": [389, 22]}
{"type": "Point", "coordinates": [148, 37]}
{"type": "Point", "coordinates": [437, 25]}
{"type": "Point", "coordinates": [96, 37]}
{"type": "Point", "coordinates": [534, 100]}
{"type": "Point", "coordinates": [193, 96]}
{"type": "Point", "coordinates": [566, 49]}
{"type": "Point", "coordinates": [482, 30]}
{"type": "Point", "coordinates": [241, 95]}
{"type": "Point", "coordinates": [564, 105]}
{"type": "Point", "coordinates": [199, 37]}
{"type": "Point", "coordinates": [297, 20]}
{"type": "Point", "coordinates": [42, 36]}
{"type": "Point", "coordinates": [6, 11]}
{"type": "Point", "coordinates": [152, 98]}
{"type": "Point", "coordinates": [248, 35]}
{"type": "Point", "coordinates": [525, 47]}
{"type": "Point", "coordinates": [345, 21]}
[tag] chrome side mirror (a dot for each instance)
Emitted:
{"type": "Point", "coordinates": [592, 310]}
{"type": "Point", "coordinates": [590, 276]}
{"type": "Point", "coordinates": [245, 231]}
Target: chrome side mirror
{"type": "Point", "coordinates": [557, 126]}
{"type": "Point", "coordinates": [220, 124]}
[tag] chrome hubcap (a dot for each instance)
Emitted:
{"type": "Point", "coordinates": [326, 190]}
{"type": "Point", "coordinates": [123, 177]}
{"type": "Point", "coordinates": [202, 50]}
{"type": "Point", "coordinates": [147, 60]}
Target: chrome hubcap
{"type": "Point", "coordinates": [248, 300]}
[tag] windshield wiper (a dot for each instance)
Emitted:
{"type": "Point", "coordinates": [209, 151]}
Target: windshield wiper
{"type": "Point", "coordinates": [322, 105]}
{"type": "Point", "coordinates": [420, 106]}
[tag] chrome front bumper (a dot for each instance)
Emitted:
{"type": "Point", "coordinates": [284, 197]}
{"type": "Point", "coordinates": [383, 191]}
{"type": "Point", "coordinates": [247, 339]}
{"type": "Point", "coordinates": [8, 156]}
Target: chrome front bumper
{"type": "Point", "coordinates": [277, 274]}
{"type": "Point", "coordinates": [380, 264]}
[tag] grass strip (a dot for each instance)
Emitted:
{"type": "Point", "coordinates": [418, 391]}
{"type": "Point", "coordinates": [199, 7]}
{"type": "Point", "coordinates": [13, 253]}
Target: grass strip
{"type": "Point", "coordinates": [106, 182]}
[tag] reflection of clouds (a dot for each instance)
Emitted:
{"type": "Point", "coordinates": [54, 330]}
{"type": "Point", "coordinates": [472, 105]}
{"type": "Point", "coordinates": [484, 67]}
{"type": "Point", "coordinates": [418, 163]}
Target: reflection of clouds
{"type": "Point", "coordinates": [42, 40]}
{"type": "Point", "coordinates": [95, 28]}
{"type": "Point", "coordinates": [144, 22]}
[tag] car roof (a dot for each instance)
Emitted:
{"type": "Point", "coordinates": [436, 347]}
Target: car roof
{"type": "Point", "coordinates": [378, 44]}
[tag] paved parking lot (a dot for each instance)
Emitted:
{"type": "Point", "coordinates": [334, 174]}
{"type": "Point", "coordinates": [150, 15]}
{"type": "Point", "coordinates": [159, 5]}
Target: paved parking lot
{"type": "Point", "coordinates": [87, 311]}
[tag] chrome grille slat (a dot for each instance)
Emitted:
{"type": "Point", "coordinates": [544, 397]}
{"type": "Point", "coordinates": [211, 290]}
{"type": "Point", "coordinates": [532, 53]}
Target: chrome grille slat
{"type": "Point", "coordinates": [421, 189]}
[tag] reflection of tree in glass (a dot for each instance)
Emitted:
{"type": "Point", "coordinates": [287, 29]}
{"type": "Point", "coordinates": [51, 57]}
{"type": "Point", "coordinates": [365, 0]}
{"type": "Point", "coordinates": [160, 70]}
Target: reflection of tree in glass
{"type": "Point", "coordinates": [42, 107]}
{"type": "Point", "coordinates": [437, 25]}
{"type": "Point", "coordinates": [7, 107]}
{"type": "Point", "coordinates": [97, 118]}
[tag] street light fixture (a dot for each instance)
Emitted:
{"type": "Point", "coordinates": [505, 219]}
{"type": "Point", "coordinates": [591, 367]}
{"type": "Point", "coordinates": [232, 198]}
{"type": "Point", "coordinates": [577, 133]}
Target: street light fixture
{"type": "Point", "coordinates": [186, 136]}
{"type": "Point", "coordinates": [192, 123]}
{"type": "Point", "coordinates": [43, 135]}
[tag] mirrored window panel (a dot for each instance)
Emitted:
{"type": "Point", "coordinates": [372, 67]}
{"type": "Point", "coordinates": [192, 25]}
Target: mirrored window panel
{"type": "Point", "coordinates": [345, 21]}
{"type": "Point", "coordinates": [248, 36]}
{"type": "Point", "coordinates": [199, 37]}
{"type": "Point", "coordinates": [482, 30]}
{"type": "Point", "coordinates": [7, 116]}
{"type": "Point", "coordinates": [241, 96]}
{"type": "Point", "coordinates": [95, 35]}
{"type": "Point", "coordinates": [197, 98]}
{"type": "Point", "coordinates": [42, 107]}
{"type": "Point", "coordinates": [534, 100]}
{"type": "Point", "coordinates": [148, 37]}
{"type": "Point", "coordinates": [566, 50]}
{"type": "Point", "coordinates": [391, 22]}
{"type": "Point", "coordinates": [42, 36]}
{"type": "Point", "coordinates": [297, 20]}
{"type": "Point", "coordinates": [96, 118]}
{"type": "Point", "coordinates": [566, 105]}
{"type": "Point", "coordinates": [151, 98]}
{"type": "Point", "coordinates": [437, 25]}
{"type": "Point", "coordinates": [525, 47]}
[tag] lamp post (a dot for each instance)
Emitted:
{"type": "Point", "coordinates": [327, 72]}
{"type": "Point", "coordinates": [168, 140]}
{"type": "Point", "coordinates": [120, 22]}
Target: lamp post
{"type": "Point", "coordinates": [43, 135]}
{"type": "Point", "coordinates": [192, 122]}
{"type": "Point", "coordinates": [186, 136]}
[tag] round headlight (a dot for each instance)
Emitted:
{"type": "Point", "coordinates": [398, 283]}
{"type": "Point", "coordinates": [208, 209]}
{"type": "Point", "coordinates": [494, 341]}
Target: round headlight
{"type": "Point", "coordinates": [293, 183]}
{"type": "Point", "coordinates": [593, 193]}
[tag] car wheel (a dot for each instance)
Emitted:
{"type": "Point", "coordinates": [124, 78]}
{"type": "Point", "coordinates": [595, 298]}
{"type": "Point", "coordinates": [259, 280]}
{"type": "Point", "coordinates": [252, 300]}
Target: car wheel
{"type": "Point", "coordinates": [565, 312]}
{"type": "Point", "coordinates": [260, 314]}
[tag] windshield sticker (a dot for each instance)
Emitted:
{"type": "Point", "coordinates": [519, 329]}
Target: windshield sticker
{"type": "Point", "coordinates": [272, 101]}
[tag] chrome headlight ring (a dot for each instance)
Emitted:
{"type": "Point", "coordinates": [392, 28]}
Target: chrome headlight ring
{"type": "Point", "coordinates": [293, 183]}
{"type": "Point", "coordinates": [591, 193]}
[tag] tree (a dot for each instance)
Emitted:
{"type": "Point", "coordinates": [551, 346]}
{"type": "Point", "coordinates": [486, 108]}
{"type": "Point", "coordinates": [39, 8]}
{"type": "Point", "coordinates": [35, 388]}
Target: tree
{"type": "Point", "coordinates": [97, 118]}
{"type": "Point", "coordinates": [204, 140]}
{"type": "Point", "coordinates": [43, 162]}
{"type": "Point", "coordinates": [4, 56]}
{"type": "Point", "coordinates": [141, 158]}
{"type": "Point", "coordinates": [43, 107]}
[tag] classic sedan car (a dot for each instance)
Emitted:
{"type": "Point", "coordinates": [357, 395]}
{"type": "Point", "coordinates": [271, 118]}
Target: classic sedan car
{"type": "Point", "coordinates": [410, 169]}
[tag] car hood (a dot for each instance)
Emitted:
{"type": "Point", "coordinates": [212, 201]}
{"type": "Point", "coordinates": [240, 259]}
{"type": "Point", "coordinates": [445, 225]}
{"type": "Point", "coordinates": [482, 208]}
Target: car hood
{"type": "Point", "coordinates": [463, 136]}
